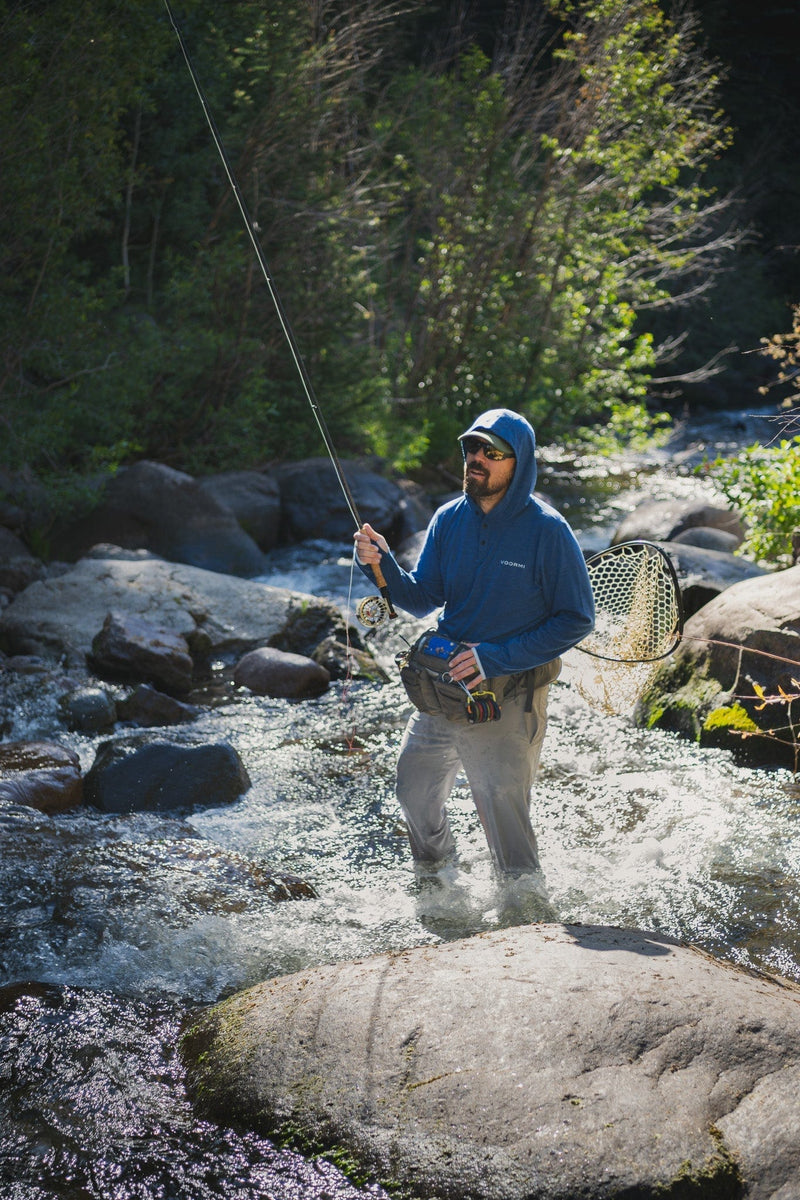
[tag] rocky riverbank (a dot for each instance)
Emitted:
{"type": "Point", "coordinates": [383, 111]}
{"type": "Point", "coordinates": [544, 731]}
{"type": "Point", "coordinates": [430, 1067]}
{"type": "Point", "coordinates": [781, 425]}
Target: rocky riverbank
{"type": "Point", "coordinates": [552, 1061]}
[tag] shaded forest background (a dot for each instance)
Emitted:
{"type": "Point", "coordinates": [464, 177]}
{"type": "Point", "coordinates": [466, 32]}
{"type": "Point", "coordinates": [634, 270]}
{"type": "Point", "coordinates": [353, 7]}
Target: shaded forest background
{"type": "Point", "coordinates": [587, 211]}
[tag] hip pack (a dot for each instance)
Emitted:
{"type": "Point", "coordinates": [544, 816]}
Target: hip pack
{"type": "Point", "coordinates": [425, 676]}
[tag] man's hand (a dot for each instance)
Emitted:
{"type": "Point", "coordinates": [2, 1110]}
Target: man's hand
{"type": "Point", "coordinates": [462, 666]}
{"type": "Point", "coordinates": [369, 545]}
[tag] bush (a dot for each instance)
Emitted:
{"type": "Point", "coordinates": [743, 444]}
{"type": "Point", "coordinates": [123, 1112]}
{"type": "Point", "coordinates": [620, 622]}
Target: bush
{"type": "Point", "coordinates": [763, 483]}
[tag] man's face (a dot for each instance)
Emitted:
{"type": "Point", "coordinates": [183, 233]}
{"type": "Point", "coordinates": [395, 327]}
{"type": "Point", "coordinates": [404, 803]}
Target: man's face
{"type": "Point", "coordinates": [485, 479]}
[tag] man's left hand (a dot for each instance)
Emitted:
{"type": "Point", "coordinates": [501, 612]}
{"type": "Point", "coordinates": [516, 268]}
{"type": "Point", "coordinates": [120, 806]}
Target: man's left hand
{"type": "Point", "coordinates": [463, 666]}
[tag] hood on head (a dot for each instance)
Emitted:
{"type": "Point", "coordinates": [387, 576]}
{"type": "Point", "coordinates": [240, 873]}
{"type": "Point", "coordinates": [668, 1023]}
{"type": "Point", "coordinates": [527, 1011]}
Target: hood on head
{"type": "Point", "coordinates": [513, 428]}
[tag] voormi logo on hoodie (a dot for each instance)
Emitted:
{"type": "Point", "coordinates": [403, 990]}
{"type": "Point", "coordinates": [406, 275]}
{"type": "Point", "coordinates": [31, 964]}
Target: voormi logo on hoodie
{"type": "Point", "coordinates": [506, 562]}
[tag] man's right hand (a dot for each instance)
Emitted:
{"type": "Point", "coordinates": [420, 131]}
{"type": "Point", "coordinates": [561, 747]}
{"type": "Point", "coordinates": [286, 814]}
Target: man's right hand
{"type": "Point", "coordinates": [369, 545]}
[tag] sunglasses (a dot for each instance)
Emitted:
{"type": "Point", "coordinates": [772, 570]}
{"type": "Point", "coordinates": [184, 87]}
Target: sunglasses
{"type": "Point", "coordinates": [474, 445]}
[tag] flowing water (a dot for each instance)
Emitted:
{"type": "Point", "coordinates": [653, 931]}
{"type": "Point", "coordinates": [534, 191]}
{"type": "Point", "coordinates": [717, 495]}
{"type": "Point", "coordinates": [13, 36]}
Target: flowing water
{"type": "Point", "coordinates": [113, 929]}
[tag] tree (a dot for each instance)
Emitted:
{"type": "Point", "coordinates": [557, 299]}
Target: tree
{"type": "Point", "coordinates": [545, 200]}
{"type": "Point", "coordinates": [71, 77]}
{"type": "Point", "coordinates": [451, 228]}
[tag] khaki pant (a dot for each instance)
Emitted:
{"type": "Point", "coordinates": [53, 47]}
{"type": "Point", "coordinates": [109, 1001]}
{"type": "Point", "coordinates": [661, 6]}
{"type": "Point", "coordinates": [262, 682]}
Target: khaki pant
{"type": "Point", "coordinates": [500, 760]}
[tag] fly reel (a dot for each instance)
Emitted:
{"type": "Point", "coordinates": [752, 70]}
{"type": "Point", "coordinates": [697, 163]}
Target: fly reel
{"type": "Point", "coordinates": [372, 611]}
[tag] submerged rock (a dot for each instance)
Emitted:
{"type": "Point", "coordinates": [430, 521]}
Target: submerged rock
{"type": "Point", "coordinates": [538, 1063]}
{"type": "Point", "coordinates": [41, 775]}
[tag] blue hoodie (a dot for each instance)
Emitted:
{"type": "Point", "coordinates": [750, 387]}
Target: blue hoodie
{"type": "Point", "coordinates": [512, 581]}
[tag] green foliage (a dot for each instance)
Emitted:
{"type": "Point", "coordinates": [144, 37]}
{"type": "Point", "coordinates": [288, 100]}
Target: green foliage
{"type": "Point", "coordinates": [546, 208]}
{"type": "Point", "coordinates": [763, 483]}
{"type": "Point", "coordinates": [444, 236]}
{"type": "Point", "coordinates": [627, 425]}
{"type": "Point", "coordinates": [730, 716]}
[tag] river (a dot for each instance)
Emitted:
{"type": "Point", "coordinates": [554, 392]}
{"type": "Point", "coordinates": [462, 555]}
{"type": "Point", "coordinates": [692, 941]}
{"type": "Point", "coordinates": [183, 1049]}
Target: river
{"type": "Point", "coordinates": [114, 928]}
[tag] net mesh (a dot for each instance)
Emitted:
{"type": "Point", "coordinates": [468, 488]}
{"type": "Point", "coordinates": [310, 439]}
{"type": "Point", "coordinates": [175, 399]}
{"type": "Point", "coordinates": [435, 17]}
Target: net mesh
{"type": "Point", "coordinates": [609, 687]}
{"type": "Point", "coordinates": [637, 623]}
{"type": "Point", "coordinates": [637, 604]}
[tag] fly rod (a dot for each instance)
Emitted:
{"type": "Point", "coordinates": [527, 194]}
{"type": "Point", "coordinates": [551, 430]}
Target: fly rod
{"type": "Point", "coordinates": [285, 324]}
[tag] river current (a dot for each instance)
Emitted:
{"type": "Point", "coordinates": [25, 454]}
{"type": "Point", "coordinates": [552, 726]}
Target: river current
{"type": "Point", "coordinates": [113, 929]}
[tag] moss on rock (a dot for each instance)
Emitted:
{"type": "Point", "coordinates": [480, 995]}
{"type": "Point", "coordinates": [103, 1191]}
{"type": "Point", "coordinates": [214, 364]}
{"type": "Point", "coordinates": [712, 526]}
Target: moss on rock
{"type": "Point", "coordinates": [730, 717]}
{"type": "Point", "coordinates": [718, 1178]}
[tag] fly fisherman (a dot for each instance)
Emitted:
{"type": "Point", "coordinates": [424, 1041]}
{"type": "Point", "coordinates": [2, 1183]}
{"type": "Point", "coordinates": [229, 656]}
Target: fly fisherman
{"type": "Point", "coordinates": [509, 577]}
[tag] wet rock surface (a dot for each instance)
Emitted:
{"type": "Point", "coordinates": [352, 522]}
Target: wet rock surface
{"type": "Point", "coordinates": [41, 775]}
{"type": "Point", "coordinates": [147, 706]}
{"type": "Point", "coordinates": [269, 672]}
{"type": "Point", "coordinates": [143, 772]}
{"type": "Point", "coordinates": [544, 1063]}
{"type": "Point", "coordinates": [130, 648]}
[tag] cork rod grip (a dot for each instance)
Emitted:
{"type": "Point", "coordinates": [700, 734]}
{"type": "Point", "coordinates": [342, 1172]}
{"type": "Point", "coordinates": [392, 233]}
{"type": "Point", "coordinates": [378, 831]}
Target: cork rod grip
{"type": "Point", "coordinates": [382, 587]}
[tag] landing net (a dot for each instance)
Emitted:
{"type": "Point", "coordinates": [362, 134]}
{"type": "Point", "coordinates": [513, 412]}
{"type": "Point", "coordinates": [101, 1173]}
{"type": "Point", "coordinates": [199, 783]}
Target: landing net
{"type": "Point", "coordinates": [638, 622]}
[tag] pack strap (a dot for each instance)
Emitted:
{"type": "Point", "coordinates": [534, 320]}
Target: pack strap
{"type": "Point", "coordinates": [531, 680]}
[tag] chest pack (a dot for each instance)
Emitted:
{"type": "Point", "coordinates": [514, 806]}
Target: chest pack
{"type": "Point", "coordinates": [425, 676]}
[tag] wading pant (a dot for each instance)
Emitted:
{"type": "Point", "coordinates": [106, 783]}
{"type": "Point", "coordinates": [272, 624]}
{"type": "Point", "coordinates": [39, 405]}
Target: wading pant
{"type": "Point", "coordinates": [500, 759]}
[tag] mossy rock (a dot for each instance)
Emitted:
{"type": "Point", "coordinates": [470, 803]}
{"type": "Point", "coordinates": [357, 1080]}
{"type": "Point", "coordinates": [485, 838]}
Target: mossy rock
{"type": "Point", "coordinates": [678, 700]}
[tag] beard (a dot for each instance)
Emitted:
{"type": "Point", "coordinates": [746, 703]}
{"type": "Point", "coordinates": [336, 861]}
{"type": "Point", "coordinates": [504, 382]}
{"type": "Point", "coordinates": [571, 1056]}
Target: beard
{"type": "Point", "coordinates": [478, 486]}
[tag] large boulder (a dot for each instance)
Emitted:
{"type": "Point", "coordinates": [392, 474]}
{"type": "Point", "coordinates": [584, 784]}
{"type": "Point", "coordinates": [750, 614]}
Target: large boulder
{"type": "Point", "coordinates": [145, 773]}
{"type": "Point", "coordinates": [59, 617]}
{"type": "Point", "coordinates": [254, 498]}
{"type": "Point", "coordinates": [537, 1063]}
{"type": "Point", "coordinates": [314, 506]}
{"type": "Point", "coordinates": [153, 507]}
{"type": "Point", "coordinates": [663, 520]}
{"type": "Point", "coordinates": [734, 680]}
{"type": "Point", "coordinates": [704, 572]}
{"type": "Point", "coordinates": [42, 775]}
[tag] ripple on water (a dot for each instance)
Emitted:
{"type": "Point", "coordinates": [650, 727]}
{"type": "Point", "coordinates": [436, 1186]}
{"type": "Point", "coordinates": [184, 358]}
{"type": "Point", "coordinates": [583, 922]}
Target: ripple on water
{"type": "Point", "coordinates": [635, 827]}
{"type": "Point", "coordinates": [101, 1086]}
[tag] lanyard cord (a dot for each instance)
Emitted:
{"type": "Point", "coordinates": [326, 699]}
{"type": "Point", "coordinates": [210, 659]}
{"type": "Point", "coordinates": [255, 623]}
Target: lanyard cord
{"type": "Point", "coordinates": [276, 300]}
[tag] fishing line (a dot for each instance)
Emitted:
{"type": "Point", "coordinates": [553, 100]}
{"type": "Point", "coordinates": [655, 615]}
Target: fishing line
{"type": "Point", "coordinates": [262, 262]}
{"type": "Point", "coordinates": [384, 601]}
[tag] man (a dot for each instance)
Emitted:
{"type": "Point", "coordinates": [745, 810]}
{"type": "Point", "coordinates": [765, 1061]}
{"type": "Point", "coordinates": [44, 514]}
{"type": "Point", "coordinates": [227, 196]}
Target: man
{"type": "Point", "coordinates": [510, 580]}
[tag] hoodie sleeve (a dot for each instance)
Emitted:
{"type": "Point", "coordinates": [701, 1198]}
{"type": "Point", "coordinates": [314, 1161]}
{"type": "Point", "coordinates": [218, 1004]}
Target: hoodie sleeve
{"type": "Point", "coordinates": [417, 592]}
